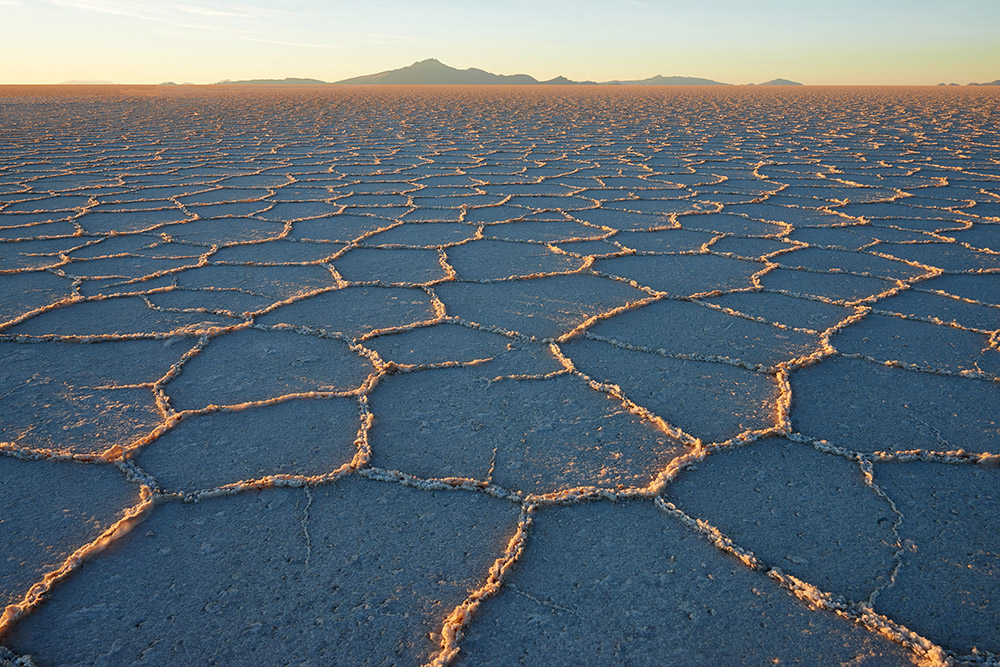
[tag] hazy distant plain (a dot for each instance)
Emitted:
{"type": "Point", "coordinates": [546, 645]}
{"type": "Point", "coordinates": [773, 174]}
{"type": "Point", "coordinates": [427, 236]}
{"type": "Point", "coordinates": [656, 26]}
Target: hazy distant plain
{"type": "Point", "coordinates": [559, 375]}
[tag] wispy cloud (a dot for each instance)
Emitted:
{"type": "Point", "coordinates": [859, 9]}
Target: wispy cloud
{"type": "Point", "coordinates": [171, 14]}
{"type": "Point", "coordinates": [237, 21]}
{"type": "Point", "coordinates": [164, 12]}
{"type": "Point", "coordinates": [282, 42]}
{"type": "Point", "coordinates": [116, 8]}
{"type": "Point", "coordinates": [207, 11]}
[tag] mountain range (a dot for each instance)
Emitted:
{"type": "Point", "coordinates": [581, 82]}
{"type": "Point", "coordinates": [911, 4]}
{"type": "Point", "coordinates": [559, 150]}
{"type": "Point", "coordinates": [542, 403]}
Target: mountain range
{"type": "Point", "coordinates": [434, 72]}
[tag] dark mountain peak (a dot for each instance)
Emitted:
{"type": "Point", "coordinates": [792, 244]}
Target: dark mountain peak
{"type": "Point", "coordinates": [563, 81]}
{"type": "Point", "coordinates": [434, 72]}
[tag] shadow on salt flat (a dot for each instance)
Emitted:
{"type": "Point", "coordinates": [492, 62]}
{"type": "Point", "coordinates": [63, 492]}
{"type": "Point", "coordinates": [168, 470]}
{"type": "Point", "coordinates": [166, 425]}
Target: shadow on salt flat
{"type": "Point", "coordinates": [493, 260]}
{"type": "Point", "coordinates": [728, 223]}
{"type": "Point", "coordinates": [440, 343]}
{"type": "Point", "coordinates": [278, 252]}
{"type": "Point", "coordinates": [140, 245]}
{"type": "Point", "coordinates": [921, 304]}
{"type": "Point", "coordinates": [713, 402]}
{"type": "Point", "coordinates": [980, 287]}
{"type": "Point", "coordinates": [426, 235]}
{"type": "Point", "coordinates": [354, 311]}
{"type": "Point", "coordinates": [390, 265]}
{"type": "Point", "coordinates": [784, 309]}
{"type": "Point", "coordinates": [277, 282]}
{"type": "Point", "coordinates": [680, 601]}
{"type": "Point", "coordinates": [223, 300]}
{"type": "Point", "coordinates": [684, 327]}
{"type": "Point", "coordinates": [666, 240]}
{"type": "Point", "coordinates": [681, 275]}
{"type": "Point", "coordinates": [540, 307]}
{"type": "Point", "coordinates": [947, 256]}
{"type": "Point", "coordinates": [820, 259]}
{"type": "Point", "coordinates": [49, 510]}
{"type": "Point", "coordinates": [222, 231]}
{"type": "Point", "coordinates": [946, 589]}
{"type": "Point", "coordinates": [36, 255]}
{"type": "Point", "coordinates": [753, 248]}
{"type": "Point", "coordinates": [120, 316]}
{"type": "Point", "coordinates": [253, 365]}
{"type": "Point", "coordinates": [833, 286]}
{"type": "Point", "coordinates": [920, 343]}
{"type": "Point", "coordinates": [25, 292]}
{"type": "Point", "coordinates": [341, 228]}
{"type": "Point", "coordinates": [33, 230]}
{"type": "Point", "coordinates": [81, 397]}
{"type": "Point", "coordinates": [542, 231]}
{"type": "Point", "coordinates": [298, 437]}
{"type": "Point", "coordinates": [361, 569]}
{"type": "Point", "coordinates": [124, 267]}
{"type": "Point", "coordinates": [808, 513]}
{"type": "Point", "coordinates": [849, 402]}
{"type": "Point", "coordinates": [121, 222]}
{"type": "Point", "coordinates": [548, 434]}
{"type": "Point", "coordinates": [287, 211]}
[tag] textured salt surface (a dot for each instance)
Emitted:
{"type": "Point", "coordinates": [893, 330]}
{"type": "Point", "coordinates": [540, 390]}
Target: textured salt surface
{"type": "Point", "coordinates": [500, 377]}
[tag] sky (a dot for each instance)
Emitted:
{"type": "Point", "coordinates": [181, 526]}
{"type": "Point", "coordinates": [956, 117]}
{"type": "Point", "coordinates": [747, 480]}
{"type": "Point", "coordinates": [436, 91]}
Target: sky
{"type": "Point", "coordinates": [734, 41]}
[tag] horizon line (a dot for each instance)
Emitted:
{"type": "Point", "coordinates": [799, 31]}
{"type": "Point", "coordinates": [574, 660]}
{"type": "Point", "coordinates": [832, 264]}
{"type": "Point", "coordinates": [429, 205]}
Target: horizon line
{"type": "Point", "coordinates": [251, 83]}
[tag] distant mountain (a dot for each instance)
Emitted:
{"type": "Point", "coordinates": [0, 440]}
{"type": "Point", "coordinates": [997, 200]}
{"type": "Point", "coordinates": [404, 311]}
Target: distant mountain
{"type": "Point", "coordinates": [434, 72]}
{"type": "Point", "coordinates": [780, 82]}
{"type": "Point", "coordinates": [563, 81]}
{"type": "Point", "coordinates": [273, 82]}
{"type": "Point", "coordinates": [667, 81]}
{"type": "Point", "coordinates": [988, 83]}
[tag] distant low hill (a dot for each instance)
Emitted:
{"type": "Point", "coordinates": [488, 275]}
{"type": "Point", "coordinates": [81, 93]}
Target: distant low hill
{"type": "Point", "coordinates": [660, 80]}
{"type": "Point", "coordinates": [780, 82]}
{"type": "Point", "coordinates": [988, 83]}
{"type": "Point", "coordinates": [273, 82]}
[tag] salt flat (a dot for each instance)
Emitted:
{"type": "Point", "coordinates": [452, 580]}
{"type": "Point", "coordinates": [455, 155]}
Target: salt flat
{"type": "Point", "coordinates": [504, 376]}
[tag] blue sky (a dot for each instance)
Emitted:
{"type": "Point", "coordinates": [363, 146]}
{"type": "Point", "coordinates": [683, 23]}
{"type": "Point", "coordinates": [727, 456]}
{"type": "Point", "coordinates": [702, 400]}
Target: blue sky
{"type": "Point", "coordinates": [814, 41]}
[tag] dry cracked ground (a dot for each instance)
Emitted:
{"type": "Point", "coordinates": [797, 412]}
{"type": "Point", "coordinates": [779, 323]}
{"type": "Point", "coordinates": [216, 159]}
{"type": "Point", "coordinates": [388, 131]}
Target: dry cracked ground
{"type": "Point", "coordinates": [503, 376]}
